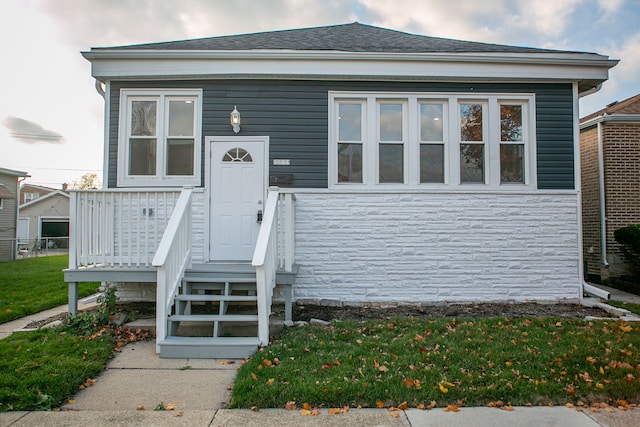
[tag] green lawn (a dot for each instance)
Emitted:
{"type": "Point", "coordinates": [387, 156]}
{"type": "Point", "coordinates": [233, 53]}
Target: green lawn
{"type": "Point", "coordinates": [467, 362]}
{"type": "Point", "coordinates": [31, 285]}
{"type": "Point", "coordinates": [39, 370]}
{"type": "Point", "coordinates": [632, 307]}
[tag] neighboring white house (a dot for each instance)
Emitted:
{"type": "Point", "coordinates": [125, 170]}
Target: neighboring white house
{"type": "Point", "coordinates": [45, 219]}
{"type": "Point", "coordinates": [410, 169]}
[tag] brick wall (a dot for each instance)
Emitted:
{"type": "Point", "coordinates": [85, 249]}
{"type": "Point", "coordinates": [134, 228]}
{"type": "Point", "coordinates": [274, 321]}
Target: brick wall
{"type": "Point", "coordinates": [622, 186]}
{"type": "Point", "coordinates": [591, 234]}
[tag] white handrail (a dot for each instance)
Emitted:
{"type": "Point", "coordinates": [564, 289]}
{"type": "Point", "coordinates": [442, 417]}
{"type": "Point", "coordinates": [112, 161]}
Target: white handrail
{"type": "Point", "coordinates": [265, 261]}
{"type": "Point", "coordinates": [171, 260]}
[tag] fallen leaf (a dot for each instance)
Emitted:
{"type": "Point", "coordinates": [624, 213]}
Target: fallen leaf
{"type": "Point", "coordinates": [140, 408]}
{"type": "Point", "coordinates": [254, 376]}
{"type": "Point", "coordinates": [507, 408]}
{"type": "Point", "coordinates": [226, 362]}
{"type": "Point", "coordinates": [394, 415]}
{"type": "Point", "coordinates": [626, 328]}
{"type": "Point", "coordinates": [266, 362]}
{"type": "Point", "coordinates": [255, 408]}
{"type": "Point", "coordinates": [334, 411]}
{"type": "Point", "coordinates": [306, 406]}
{"type": "Point", "coordinates": [270, 381]}
{"type": "Point", "coordinates": [443, 388]}
{"type": "Point", "coordinates": [170, 406]}
{"type": "Point", "coordinates": [379, 404]}
{"type": "Point", "coordinates": [403, 406]}
{"type": "Point", "coordinates": [569, 405]}
{"type": "Point", "coordinates": [451, 408]}
{"type": "Point", "coordinates": [383, 368]}
{"type": "Point", "coordinates": [178, 414]}
{"type": "Point", "coordinates": [290, 406]}
{"type": "Point", "coordinates": [229, 387]}
{"type": "Point", "coordinates": [72, 401]}
{"type": "Point", "coordinates": [408, 382]}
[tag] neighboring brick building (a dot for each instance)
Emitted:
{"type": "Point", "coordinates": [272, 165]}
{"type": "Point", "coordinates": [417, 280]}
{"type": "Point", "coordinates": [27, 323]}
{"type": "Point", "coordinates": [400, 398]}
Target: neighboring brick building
{"type": "Point", "coordinates": [610, 159]}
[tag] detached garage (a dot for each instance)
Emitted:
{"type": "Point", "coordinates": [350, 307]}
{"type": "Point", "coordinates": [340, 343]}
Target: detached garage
{"type": "Point", "coordinates": [47, 218]}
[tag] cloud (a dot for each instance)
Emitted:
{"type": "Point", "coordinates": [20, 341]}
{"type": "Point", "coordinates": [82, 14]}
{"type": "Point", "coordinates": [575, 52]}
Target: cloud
{"type": "Point", "coordinates": [122, 22]}
{"type": "Point", "coordinates": [30, 132]}
{"type": "Point", "coordinates": [610, 7]}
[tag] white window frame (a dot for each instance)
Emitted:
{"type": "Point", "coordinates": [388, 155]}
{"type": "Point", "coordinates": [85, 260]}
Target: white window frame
{"type": "Point", "coordinates": [403, 142]}
{"type": "Point", "coordinates": [160, 179]}
{"type": "Point", "coordinates": [30, 196]}
{"type": "Point", "coordinates": [451, 136]}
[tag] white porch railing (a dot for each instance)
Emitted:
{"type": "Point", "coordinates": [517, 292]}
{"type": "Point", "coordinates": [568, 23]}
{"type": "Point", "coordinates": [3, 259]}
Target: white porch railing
{"type": "Point", "coordinates": [286, 231]}
{"type": "Point", "coordinates": [117, 228]}
{"type": "Point", "coordinates": [265, 261]}
{"type": "Point", "coordinates": [172, 259]}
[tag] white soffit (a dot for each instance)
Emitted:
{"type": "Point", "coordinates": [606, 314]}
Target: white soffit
{"type": "Point", "coordinates": [135, 64]}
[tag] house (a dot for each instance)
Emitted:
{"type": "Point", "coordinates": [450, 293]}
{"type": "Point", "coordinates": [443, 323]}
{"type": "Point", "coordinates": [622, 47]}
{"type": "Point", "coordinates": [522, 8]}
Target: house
{"type": "Point", "coordinates": [44, 217]}
{"type": "Point", "coordinates": [348, 163]}
{"type": "Point", "coordinates": [9, 180]}
{"type": "Point", "coordinates": [29, 192]}
{"type": "Point", "coordinates": [610, 162]}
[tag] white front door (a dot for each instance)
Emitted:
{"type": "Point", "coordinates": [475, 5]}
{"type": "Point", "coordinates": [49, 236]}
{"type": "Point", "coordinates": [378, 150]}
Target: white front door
{"type": "Point", "coordinates": [236, 181]}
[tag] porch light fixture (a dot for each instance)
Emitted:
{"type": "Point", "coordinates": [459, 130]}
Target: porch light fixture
{"type": "Point", "coordinates": [235, 120]}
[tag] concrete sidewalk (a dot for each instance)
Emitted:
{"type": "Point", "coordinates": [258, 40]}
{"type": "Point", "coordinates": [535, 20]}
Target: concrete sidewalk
{"type": "Point", "coordinates": [8, 328]}
{"type": "Point", "coordinates": [136, 381]}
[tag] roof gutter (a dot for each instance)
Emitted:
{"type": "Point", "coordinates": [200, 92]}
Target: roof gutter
{"type": "Point", "coordinates": [620, 118]}
{"type": "Point", "coordinates": [578, 59]}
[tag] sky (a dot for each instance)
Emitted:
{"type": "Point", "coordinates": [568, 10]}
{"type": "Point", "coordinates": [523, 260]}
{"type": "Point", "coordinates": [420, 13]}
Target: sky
{"type": "Point", "coordinates": [51, 116]}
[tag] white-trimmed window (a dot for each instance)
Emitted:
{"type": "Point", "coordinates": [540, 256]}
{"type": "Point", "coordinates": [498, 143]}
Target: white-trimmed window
{"type": "Point", "coordinates": [431, 140]}
{"type": "Point", "coordinates": [160, 137]}
{"type": "Point", "coordinates": [30, 196]}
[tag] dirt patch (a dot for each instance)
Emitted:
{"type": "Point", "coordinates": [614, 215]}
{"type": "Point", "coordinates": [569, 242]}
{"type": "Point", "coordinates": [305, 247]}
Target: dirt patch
{"type": "Point", "coordinates": [323, 312]}
{"type": "Point", "coordinates": [135, 310]}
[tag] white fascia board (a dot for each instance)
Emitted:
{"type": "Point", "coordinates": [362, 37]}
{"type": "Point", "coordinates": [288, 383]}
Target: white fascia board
{"type": "Point", "coordinates": [112, 64]}
{"type": "Point", "coordinates": [618, 118]}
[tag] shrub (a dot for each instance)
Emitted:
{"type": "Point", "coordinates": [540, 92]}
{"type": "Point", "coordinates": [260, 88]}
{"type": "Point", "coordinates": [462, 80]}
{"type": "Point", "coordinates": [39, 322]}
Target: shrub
{"type": "Point", "coordinates": [629, 238]}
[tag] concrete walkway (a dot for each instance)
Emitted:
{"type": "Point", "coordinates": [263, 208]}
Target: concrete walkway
{"type": "Point", "coordinates": [8, 328]}
{"type": "Point", "coordinates": [137, 381]}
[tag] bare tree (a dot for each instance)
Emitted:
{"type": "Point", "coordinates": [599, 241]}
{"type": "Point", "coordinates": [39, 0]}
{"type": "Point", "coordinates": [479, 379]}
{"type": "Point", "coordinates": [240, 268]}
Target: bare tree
{"type": "Point", "coordinates": [88, 181]}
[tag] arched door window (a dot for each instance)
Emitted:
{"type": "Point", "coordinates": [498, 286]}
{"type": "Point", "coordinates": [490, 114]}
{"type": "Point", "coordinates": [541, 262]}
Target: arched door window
{"type": "Point", "coordinates": [237, 155]}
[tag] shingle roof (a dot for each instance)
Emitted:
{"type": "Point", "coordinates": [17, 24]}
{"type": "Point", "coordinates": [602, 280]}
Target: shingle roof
{"type": "Point", "coordinates": [354, 37]}
{"type": "Point", "coordinates": [627, 106]}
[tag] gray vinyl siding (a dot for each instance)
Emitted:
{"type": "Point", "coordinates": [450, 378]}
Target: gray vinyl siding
{"type": "Point", "coordinates": [8, 218]}
{"type": "Point", "coordinates": [294, 114]}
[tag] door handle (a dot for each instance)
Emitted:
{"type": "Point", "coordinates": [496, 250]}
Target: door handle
{"type": "Point", "coordinates": [259, 217]}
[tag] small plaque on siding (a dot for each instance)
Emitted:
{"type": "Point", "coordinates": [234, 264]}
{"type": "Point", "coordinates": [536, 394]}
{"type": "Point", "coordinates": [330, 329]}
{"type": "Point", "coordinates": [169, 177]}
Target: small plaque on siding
{"type": "Point", "coordinates": [281, 162]}
{"type": "Point", "coordinates": [281, 179]}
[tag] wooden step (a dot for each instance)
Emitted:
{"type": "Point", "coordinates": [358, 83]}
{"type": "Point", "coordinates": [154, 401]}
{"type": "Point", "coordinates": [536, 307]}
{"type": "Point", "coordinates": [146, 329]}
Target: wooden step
{"type": "Point", "coordinates": [208, 347]}
{"type": "Point", "coordinates": [214, 318]}
{"type": "Point", "coordinates": [203, 286]}
{"type": "Point", "coordinates": [205, 298]}
{"type": "Point", "coordinates": [219, 279]}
